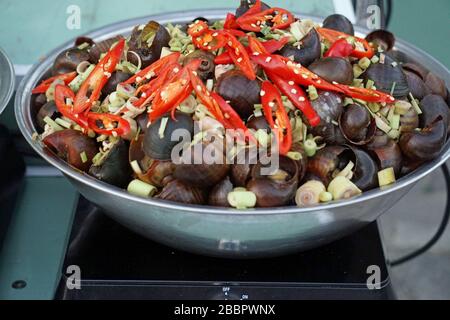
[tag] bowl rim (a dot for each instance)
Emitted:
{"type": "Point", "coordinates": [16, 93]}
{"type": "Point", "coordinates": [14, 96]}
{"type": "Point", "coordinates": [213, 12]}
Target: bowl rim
{"type": "Point", "coordinates": [9, 76]}
{"type": "Point", "coordinates": [25, 123]}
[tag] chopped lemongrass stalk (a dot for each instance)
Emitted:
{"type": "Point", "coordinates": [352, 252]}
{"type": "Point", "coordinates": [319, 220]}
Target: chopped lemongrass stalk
{"type": "Point", "coordinates": [362, 102]}
{"type": "Point", "coordinates": [343, 188]}
{"type": "Point", "coordinates": [394, 134]}
{"type": "Point", "coordinates": [53, 124]}
{"type": "Point", "coordinates": [390, 114]}
{"type": "Point", "coordinates": [309, 193]}
{"type": "Point", "coordinates": [370, 84]}
{"type": "Point", "coordinates": [165, 52]}
{"type": "Point", "coordinates": [83, 157]}
{"type": "Point", "coordinates": [312, 91]}
{"type": "Point", "coordinates": [402, 107]}
{"type": "Point", "coordinates": [395, 122]}
{"type": "Point", "coordinates": [310, 147]}
{"type": "Point", "coordinates": [374, 107]}
{"type": "Point", "coordinates": [375, 59]}
{"type": "Point", "coordinates": [347, 170]}
{"type": "Point", "coordinates": [359, 83]}
{"type": "Point", "coordinates": [83, 46]}
{"type": "Point", "coordinates": [364, 63]}
{"type": "Point", "coordinates": [258, 113]}
{"type": "Point", "coordinates": [210, 84]}
{"type": "Point", "coordinates": [142, 189]}
{"type": "Point", "coordinates": [240, 189]}
{"type": "Point", "coordinates": [125, 91]}
{"type": "Point", "coordinates": [386, 177]}
{"type": "Point", "coordinates": [242, 200]}
{"type": "Point", "coordinates": [348, 101]}
{"type": "Point", "coordinates": [357, 71]}
{"type": "Point", "coordinates": [382, 58]}
{"type": "Point", "coordinates": [382, 125]}
{"type": "Point", "coordinates": [394, 84]}
{"type": "Point", "coordinates": [296, 156]}
{"type": "Point", "coordinates": [325, 197]}
{"type": "Point", "coordinates": [136, 167]}
{"type": "Point", "coordinates": [63, 123]}
{"type": "Point", "coordinates": [415, 104]}
{"type": "Point", "coordinates": [162, 127]}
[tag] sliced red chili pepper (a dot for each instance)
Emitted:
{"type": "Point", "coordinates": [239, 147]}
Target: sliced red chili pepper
{"type": "Point", "coordinates": [230, 22]}
{"type": "Point", "coordinates": [332, 36]}
{"type": "Point", "coordinates": [340, 49]}
{"type": "Point", "coordinates": [108, 124]}
{"type": "Point", "coordinates": [148, 91]}
{"type": "Point", "coordinates": [174, 92]}
{"type": "Point", "coordinates": [45, 85]}
{"type": "Point", "coordinates": [98, 78]}
{"type": "Point", "coordinates": [256, 8]}
{"type": "Point", "coordinates": [288, 70]}
{"type": "Point", "coordinates": [232, 120]}
{"type": "Point", "coordinates": [273, 105]}
{"type": "Point", "coordinates": [205, 97]}
{"type": "Point", "coordinates": [298, 98]}
{"type": "Point", "coordinates": [154, 69]}
{"type": "Point", "coordinates": [278, 18]}
{"type": "Point", "coordinates": [240, 57]}
{"type": "Point", "coordinates": [62, 94]}
{"type": "Point", "coordinates": [368, 95]}
{"type": "Point", "coordinates": [198, 28]}
{"type": "Point", "coordinates": [270, 46]}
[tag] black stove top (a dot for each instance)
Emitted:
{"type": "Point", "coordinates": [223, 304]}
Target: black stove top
{"type": "Point", "coordinates": [115, 263]}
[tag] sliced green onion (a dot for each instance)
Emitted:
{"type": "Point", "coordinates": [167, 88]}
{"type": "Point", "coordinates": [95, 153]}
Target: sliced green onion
{"type": "Point", "coordinates": [296, 156]}
{"type": "Point", "coordinates": [136, 167]}
{"type": "Point", "coordinates": [312, 91]}
{"type": "Point", "coordinates": [63, 123]}
{"type": "Point", "coordinates": [53, 124]}
{"type": "Point", "coordinates": [162, 127]}
{"type": "Point", "coordinates": [364, 63]}
{"type": "Point", "coordinates": [83, 157]}
{"type": "Point", "coordinates": [142, 189]}
{"type": "Point", "coordinates": [242, 199]}
{"type": "Point", "coordinates": [310, 147]}
{"type": "Point", "coordinates": [415, 104]}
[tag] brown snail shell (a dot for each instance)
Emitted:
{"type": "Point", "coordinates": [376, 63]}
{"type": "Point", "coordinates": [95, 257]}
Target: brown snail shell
{"type": "Point", "coordinates": [218, 196]}
{"type": "Point", "coordinates": [242, 93]}
{"type": "Point", "coordinates": [389, 156]}
{"type": "Point", "coordinates": [425, 145]}
{"type": "Point", "coordinates": [409, 121]}
{"type": "Point", "coordinates": [333, 69]}
{"type": "Point", "coordinates": [308, 51]}
{"type": "Point", "coordinates": [69, 145]}
{"type": "Point", "coordinates": [356, 124]}
{"type": "Point", "coordinates": [177, 191]}
{"type": "Point", "coordinates": [340, 23]}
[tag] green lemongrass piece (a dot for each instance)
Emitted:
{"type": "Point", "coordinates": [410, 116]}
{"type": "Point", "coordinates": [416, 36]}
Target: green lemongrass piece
{"type": "Point", "coordinates": [63, 123]}
{"type": "Point", "coordinates": [364, 63]}
{"type": "Point", "coordinates": [83, 157]}
{"type": "Point", "coordinates": [357, 71]}
{"type": "Point", "coordinates": [359, 83]}
{"type": "Point", "coordinates": [165, 51]}
{"type": "Point", "coordinates": [210, 84]}
{"type": "Point", "coordinates": [347, 170]}
{"type": "Point", "coordinates": [415, 104]}
{"type": "Point", "coordinates": [83, 46]}
{"type": "Point", "coordinates": [370, 84]}
{"type": "Point", "coordinates": [343, 188]}
{"type": "Point", "coordinates": [348, 101]}
{"type": "Point", "coordinates": [142, 189]}
{"type": "Point", "coordinates": [386, 177]}
{"type": "Point", "coordinates": [394, 84]}
{"type": "Point", "coordinates": [374, 107]}
{"type": "Point", "coordinates": [312, 91]}
{"type": "Point", "coordinates": [242, 200]}
{"type": "Point", "coordinates": [394, 134]}
{"type": "Point", "coordinates": [240, 189]}
{"type": "Point", "coordinates": [382, 125]}
{"type": "Point", "coordinates": [125, 91]}
{"type": "Point", "coordinates": [53, 124]}
{"type": "Point", "coordinates": [390, 114]}
{"type": "Point", "coordinates": [395, 122]}
{"type": "Point", "coordinates": [402, 107]}
{"type": "Point", "coordinates": [162, 127]}
{"type": "Point", "coordinates": [375, 59]}
{"type": "Point", "coordinates": [310, 147]}
{"type": "Point", "coordinates": [325, 197]}
{"type": "Point", "coordinates": [136, 167]}
{"type": "Point", "coordinates": [296, 156]}
{"type": "Point", "coordinates": [362, 102]}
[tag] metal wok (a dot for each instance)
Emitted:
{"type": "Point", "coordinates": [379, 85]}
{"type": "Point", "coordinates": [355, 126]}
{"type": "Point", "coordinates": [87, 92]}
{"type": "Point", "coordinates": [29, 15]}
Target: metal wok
{"type": "Point", "coordinates": [225, 232]}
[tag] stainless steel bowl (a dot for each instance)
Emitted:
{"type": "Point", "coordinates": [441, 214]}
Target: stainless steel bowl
{"type": "Point", "coordinates": [225, 232]}
{"type": "Point", "coordinates": [7, 80]}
